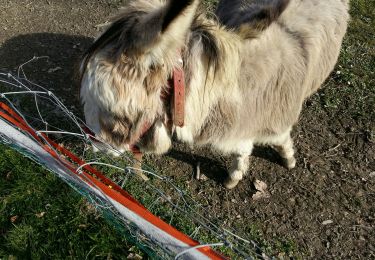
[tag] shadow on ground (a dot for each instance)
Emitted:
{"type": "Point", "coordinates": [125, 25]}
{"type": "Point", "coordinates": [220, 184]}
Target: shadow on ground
{"type": "Point", "coordinates": [216, 169]}
{"type": "Point", "coordinates": [57, 67]}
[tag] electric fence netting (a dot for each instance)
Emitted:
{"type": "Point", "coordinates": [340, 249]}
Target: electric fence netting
{"type": "Point", "coordinates": [157, 215]}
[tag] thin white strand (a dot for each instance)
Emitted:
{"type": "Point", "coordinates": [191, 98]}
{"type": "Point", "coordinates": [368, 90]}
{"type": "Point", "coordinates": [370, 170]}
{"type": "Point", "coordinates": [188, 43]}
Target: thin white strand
{"type": "Point", "coordinates": [27, 62]}
{"type": "Point", "coordinates": [18, 81]}
{"type": "Point", "coordinates": [9, 83]}
{"type": "Point", "coordinates": [240, 238]}
{"type": "Point", "coordinates": [60, 132]}
{"type": "Point", "coordinates": [195, 232]}
{"type": "Point", "coordinates": [40, 115]}
{"type": "Point", "coordinates": [144, 171]}
{"type": "Point", "coordinates": [196, 247]}
{"type": "Point", "coordinates": [79, 169]}
{"type": "Point", "coordinates": [22, 92]}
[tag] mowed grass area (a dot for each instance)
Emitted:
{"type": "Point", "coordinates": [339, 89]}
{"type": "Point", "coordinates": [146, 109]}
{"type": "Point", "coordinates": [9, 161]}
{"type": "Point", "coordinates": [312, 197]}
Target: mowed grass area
{"type": "Point", "coordinates": [42, 217]}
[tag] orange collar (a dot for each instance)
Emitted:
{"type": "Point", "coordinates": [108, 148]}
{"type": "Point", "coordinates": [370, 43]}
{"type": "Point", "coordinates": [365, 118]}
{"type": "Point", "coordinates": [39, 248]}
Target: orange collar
{"type": "Point", "coordinates": [175, 92]}
{"type": "Point", "coordinates": [178, 97]}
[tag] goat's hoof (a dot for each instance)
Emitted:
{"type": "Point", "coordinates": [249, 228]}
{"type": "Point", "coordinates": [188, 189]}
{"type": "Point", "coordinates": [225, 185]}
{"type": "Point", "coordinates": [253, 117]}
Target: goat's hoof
{"type": "Point", "coordinates": [290, 163]}
{"type": "Point", "coordinates": [230, 183]}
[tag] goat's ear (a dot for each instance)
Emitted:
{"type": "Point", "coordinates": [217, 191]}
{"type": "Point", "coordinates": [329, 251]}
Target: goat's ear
{"type": "Point", "coordinates": [251, 19]}
{"type": "Point", "coordinates": [161, 30]}
{"type": "Point", "coordinates": [147, 27]}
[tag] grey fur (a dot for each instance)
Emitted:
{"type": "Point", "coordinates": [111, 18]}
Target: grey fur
{"type": "Point", "coordinates": [247, 75]}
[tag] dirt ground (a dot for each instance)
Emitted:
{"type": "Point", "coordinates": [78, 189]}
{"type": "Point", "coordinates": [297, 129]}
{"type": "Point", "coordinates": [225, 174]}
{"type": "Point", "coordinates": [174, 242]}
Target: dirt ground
{"type": "Point", "coordinates": [322, 208]}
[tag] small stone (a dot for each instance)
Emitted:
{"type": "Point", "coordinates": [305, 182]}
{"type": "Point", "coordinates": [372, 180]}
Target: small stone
{"type": "Point", "coordinates": [327, 222]}
{"type": "Point", "coordinates": [203, 177]}
{"type": "Point", "coordinates": [372, 175]}
{"type": "Point", "coordinates": [134, 256]}
{"type": "Point", "coordinates": [262, 192]}
{"type": "Point", "coordinates": [13, 219]}
{"type": "Point", "coordinates": [40, 215]}
{"type": "Point", "coordinates": [51, 70]}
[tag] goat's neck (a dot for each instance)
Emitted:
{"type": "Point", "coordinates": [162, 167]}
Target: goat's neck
{"type": "Point", "coordinates": [210, 82]}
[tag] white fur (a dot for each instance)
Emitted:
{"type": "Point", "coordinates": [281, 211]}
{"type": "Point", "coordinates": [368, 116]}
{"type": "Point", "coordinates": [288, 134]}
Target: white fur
{"type": "Point", "coordinates": [162, 140]}
{"type": "Point", "coordinates": [254, 97]}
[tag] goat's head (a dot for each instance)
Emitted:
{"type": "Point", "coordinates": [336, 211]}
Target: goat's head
{"type": "Point", "coordinates": [127, 69]}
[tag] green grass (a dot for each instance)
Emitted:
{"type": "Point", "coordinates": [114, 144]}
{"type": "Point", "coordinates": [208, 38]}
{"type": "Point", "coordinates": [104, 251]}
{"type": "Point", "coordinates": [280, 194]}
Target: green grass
{"type": "Point", "coordinates": [41, 217]}
{"type": "Point", "coordinates": [351, 88]}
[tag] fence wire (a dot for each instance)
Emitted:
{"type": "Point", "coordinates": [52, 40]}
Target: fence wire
{"type": "Point", "coordinates": [43, 111]}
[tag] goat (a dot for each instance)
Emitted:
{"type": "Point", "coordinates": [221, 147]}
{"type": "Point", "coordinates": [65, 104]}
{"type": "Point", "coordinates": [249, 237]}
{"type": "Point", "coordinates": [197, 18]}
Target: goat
{"type": "Point", "coordinates": [247, 73]}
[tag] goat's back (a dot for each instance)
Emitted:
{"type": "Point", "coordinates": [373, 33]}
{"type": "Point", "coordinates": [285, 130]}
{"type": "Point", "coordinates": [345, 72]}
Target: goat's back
{"type": "Point", "coordinates": [288, 62]}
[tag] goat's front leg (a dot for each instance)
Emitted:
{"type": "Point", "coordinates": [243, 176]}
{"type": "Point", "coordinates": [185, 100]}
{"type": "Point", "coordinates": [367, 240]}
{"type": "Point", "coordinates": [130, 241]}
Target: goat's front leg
{"type": "Point", "coordinates": [285, 148]}
{"type": "Point", "coordinates": [238, 169]}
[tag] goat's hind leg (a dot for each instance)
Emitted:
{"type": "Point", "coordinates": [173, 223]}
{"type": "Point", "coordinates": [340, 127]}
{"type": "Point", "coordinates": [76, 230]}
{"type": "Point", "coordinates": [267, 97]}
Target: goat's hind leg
{"type": "Point", "coordinates": [239, 168]}
{"type": "Point", "coordinates": [285, 148]}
